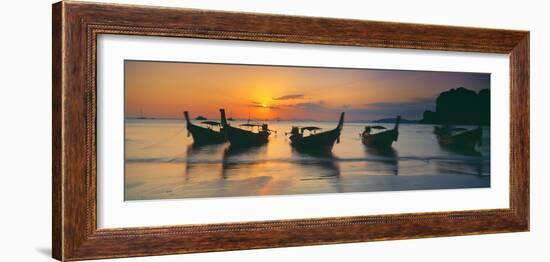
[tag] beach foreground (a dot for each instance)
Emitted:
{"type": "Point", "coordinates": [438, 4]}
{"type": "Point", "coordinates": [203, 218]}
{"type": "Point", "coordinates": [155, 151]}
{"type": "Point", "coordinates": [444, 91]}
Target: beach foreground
{"type": "Point", "coordinates": [162, 163]}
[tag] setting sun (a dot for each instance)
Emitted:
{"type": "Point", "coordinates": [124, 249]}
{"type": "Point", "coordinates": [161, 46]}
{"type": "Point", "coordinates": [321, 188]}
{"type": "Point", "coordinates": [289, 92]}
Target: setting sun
{"type": "Point", "coordinates": [164, 90]}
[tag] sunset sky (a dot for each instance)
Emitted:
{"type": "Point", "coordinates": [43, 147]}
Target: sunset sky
{"type": "Point", "coordinates": [166, 89]}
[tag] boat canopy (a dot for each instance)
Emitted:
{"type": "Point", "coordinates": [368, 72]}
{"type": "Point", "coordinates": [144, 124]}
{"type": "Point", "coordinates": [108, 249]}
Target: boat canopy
{"type": "Point", "coordinates": [251, 125]}
{"type": "Point", "coordinates": [211, 123]}
{"type": "Point", "coordinates": [310, 128]}
{"type": "Point", "coordinates": [377, 127]}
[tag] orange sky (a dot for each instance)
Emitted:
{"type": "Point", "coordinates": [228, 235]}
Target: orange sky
{"type": "Point", "coordinates": [166, 89]}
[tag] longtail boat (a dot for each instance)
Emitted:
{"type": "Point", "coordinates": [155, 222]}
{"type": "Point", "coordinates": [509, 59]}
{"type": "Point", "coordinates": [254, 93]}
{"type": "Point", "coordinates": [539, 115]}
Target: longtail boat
{"type": "Point", "coordinates": [446, 129]}
{"type": "Point", "coordinates": [315, 142]}
{"type": "Point", "coordinates": [459, 138]}
{"type": "Point", "coordinates": [205, 135]}
{"type": "Point", "coordinates": [382, 139]}
{"type": "Point", "coordinates": [243, 138]}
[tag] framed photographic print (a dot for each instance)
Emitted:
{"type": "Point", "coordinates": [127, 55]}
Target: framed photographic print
{"type": "Point", "coordinates": [181, 130]}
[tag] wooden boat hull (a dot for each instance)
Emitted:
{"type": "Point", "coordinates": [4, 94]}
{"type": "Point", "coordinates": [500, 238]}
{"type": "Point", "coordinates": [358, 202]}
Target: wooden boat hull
{"type": "Point", "coordinates": [242, 138]}
{"type": "Point", "coordinates": [465, 141]}
{"type": "Point", "coordinates": [380, 140]}
{"type": "Point", "coordinates": [203, 135]}
{"type": "Point", "coordinates": [322, 142]}
{"type": "Point", "coordinates": [318, 143]}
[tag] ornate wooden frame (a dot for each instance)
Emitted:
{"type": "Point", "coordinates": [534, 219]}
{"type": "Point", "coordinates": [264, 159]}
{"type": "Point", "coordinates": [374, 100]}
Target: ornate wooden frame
{"type": "Point", "coordinates": [76, 26]}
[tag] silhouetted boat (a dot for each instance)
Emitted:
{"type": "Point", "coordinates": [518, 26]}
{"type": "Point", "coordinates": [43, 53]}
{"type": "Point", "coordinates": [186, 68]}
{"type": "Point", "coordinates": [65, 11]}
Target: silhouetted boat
{"type": "Point", "coordinates": [458, 138]}
{"type": "Point", "coordinates": [447, 129]}
{"type": "Point", "coordinates": [205, 135]}
{"type": "Point", "coordinates": [243, 138]}
{"type": "Point", "coordinates": [321, 142]}
{"type": "Point", "coordinates": [382, 139]}
{"type": "Point", "coordinates": [141, 116]}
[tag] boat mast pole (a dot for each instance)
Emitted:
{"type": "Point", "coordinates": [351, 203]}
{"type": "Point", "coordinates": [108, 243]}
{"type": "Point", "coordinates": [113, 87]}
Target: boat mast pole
{"type": "Point", "coordinates": [223, 120]}
{"type": "Point", "coordinates": [340, 126]}
{"type": "Point", "coordinates": [341, 121]}
{"type": "Point", "coordinates": [186, 114]}
{"type": "Point", "coordinates": [397, 120]}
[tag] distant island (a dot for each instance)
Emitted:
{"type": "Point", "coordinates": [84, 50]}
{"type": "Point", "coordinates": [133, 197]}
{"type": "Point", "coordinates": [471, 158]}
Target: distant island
{"type": "Point", "coordinates": [200, 118]}
{"type": "Point", "coordinates": [460, 106]}
{"type": "Point", "coordinates": [392, 120]}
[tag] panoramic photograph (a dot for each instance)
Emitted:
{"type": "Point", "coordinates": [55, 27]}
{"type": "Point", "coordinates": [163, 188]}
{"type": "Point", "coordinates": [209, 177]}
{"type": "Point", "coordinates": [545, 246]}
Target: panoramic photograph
{"type": "Point", "coordinates": [203, 130]}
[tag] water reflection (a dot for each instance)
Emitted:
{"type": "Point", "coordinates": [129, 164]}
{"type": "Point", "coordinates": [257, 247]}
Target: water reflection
{"type": "Point", "coordinates": [161, 163]}
{"type": "Point", "coordinates": [242, 160]}
{"type": "Point", "coordinates": [385, 160]}
{"type": "Point", "coordinates": [459, 151]}
{"type": "Point", "coordinates": [319, 167]}
{"type": "Point", "coordinates": [324, 164]}
{"type": "Point", "coordinates": [195, 164]}
{"type": "Point", "coordinates": [474, 166]}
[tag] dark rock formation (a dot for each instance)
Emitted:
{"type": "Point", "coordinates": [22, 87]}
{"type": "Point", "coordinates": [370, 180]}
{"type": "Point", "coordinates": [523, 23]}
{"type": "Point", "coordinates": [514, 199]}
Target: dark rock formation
{"type": "Point", "coordinates": [461, 106]}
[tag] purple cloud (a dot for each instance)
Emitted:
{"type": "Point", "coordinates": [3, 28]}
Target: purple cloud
{"type": "Point", "coordinates": [289, 97]}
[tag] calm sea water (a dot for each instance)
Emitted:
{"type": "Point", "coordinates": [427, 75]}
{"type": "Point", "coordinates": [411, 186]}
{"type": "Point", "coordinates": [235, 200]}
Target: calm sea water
{"type": "Point", "coordinates": [162, 163]}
